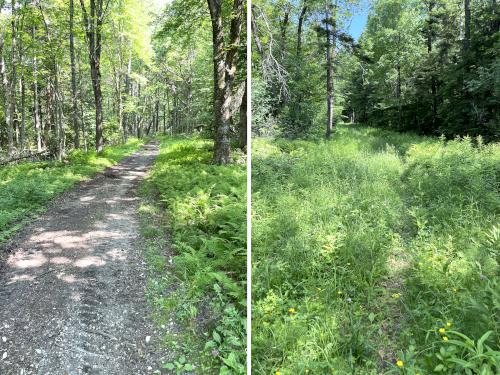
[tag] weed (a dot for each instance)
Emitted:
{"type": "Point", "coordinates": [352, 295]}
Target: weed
{"type": "Point", "coordinates": [203, 284]}
{"type": "Point", "coordinates": [372, 238]}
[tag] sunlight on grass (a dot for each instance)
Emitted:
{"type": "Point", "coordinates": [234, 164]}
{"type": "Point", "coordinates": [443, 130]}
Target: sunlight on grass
{"type": "Point", "coordinates": [373, 241]}
{"type": "Point", "coordinates": [26, 188]}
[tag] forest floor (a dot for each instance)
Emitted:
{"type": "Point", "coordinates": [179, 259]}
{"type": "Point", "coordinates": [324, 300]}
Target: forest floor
{"type": "Point", "coordinates": [193, 225]}
{"type": "Point", "coordinates": [73, 285]}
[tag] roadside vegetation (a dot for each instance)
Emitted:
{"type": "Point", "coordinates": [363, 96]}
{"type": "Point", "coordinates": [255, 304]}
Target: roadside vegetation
{"type": "Point", "coordinates": [376, 252]}
{"type": "Point", "coordinates": [26, 188]}
{"type": "Point", "coordinates": [194, 222]}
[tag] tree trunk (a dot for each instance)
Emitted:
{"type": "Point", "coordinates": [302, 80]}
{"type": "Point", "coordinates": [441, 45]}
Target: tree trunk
{"type": "Point", "coordinates": [467, 25]}
{"type": "Point", "coordinates": [255, 33]}
{"type": "Point", "coordinates": [74, 103]}
{"type": "Point", "coordinates": [126, 116]}
{"type": "Point", "coordinates": [224, 72]}
{"type": "Point", "coordinates": [13, 79]}
{"type": "Point", "coordinates": [430, 8]}
{"type": "Point", "coordinates": [93, 27]}
{"type": "Point", "coordinates": [299, 29]}
{"type": "Point", "coordinates": [330, 50]}
{"type": "Point", "coordinates": [431, 5]}
{"type": "Point", "coordinates": [61, 138]}
{"type": "Point", "coordinates": [398, 95]}
{"type": "Point", "coordinates": [36, 99]}
{"type": "Point", "coordinates": [243, 121]}
{"type": "Point", "coordinates": [36, 106]}
{"type": "Point", "coordinates": [283, 28]}
{"type": "Point", "coordinates": [22, 128]}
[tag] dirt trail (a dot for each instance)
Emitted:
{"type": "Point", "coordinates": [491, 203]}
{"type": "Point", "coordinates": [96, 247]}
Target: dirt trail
{"type": "Point", "coordinates": [72, 290]}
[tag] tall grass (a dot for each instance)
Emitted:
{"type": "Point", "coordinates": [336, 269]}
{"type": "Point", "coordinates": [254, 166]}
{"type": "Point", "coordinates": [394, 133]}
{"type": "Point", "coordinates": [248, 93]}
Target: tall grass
{"type": "Point", "coordinates": [365, 246]}
{"type": "Point", "coordinates": [26, 188]}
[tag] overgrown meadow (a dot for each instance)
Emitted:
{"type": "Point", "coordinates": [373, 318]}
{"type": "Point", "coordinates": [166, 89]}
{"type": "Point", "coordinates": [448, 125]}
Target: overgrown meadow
{"type": "Point", "coordinates": [376, 252]}
{"type": "Point", "coordinates": [26, 188]}
{"type": "Point", "coordinates": [201, 280]}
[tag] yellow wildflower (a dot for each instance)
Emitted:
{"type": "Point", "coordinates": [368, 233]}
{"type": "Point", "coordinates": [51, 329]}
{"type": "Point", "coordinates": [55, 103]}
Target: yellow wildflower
{"type": "Point", "coordinates": [339, 292]}
{"type": "Point", "coordinates": [396, 296]}
{"type": "Point", "coordinates": [449, 324]}
{"type": "Point", "coordinates": [442, 331]}
{"type": "Point", "coordinates": [278, 372]}
{"type": "Point", "coordinates": [445, 338]}
{"type": "Point", "coordinates": [291, 310]}
{"type": "Point", "coordinates": [400, 363]}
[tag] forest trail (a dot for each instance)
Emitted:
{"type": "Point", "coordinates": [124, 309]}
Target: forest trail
{"type": "Point", "coordinates": [73, 288]}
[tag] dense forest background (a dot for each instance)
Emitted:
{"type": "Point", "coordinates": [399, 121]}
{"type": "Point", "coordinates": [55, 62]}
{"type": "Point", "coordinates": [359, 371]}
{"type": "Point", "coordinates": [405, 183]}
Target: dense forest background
{"type": "Point", "coordinates": [82, 74]}
{"type": "Point", "coordinates": [431, 67]}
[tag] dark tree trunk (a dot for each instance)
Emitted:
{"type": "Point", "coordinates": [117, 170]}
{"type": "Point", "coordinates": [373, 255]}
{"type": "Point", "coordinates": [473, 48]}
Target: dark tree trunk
{"type": "Point", "coordinates": [331, 33]}
{"type": "Point", "coordinates": [430, 34]}
{"type": "Point", "coordinates": [467, 25]}
{"type": "Point", "coordinates": [36, 99]}
{"type": "Point", "coordinates": [283, 28]}
{"type": "Point", "coordinates": [299, 29]}
{"type": "Point", "coordinates": [74, 103]}
{"type": "Point", "coordinates": [224, 72]}
{"type": "Point", "coordinates": [430, 22]}
{"type": "Point", "coordinates": [93, 28]}
{"type": "Point", "coordinates": [22, 128]}
{"type": "Point", "coordinates": [61, 135]}
{"type": "Point", "coordinates": [398, 95]}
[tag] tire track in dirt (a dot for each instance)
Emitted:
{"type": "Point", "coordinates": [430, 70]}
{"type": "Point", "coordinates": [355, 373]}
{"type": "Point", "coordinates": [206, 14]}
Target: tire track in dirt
{"type": "Point", "coordinates": [72, 289]}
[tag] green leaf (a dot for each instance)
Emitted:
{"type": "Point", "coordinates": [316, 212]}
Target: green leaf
{"type": "Point", "coordinates": [371, 317]}
{"type": "Point", "coordinates": [439, 368]}
{"type": "Point", "coordinates": [461, 362]}
{"type": "Point", "coordinates": [482, 340]}
{"type": "Point", "coordinates": [217, 337]}
{"type": "Point", "coordinates": [169, 366]}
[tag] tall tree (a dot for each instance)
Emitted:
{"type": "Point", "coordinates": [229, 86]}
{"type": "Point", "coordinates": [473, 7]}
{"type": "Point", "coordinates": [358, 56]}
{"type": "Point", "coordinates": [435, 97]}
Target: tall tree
{"type": "Point", "coordinates": [13, 79]}
{"type": "Point", "coordinates": [224, 59]}
{"type": "Point", "coordinates": [93, 24]}
{"type": "Point", "coordinates": [74, 102]}
{"type": "Point", "coordinates": [331, 37]}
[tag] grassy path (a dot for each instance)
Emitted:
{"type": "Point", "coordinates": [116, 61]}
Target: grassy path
{"type": "Point", "coordinates": [366, 246]}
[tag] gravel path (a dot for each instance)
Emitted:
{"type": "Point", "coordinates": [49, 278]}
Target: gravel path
{"type": "Point", "coordinates": [72, 289]}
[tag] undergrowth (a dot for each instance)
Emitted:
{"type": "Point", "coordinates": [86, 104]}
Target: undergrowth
{"type": "Point", "coordinates": [376, 252]}
{"type": "Point", "coordinates": [202, 283]}
{"type": "Point", "coordinates": [26, 188]}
